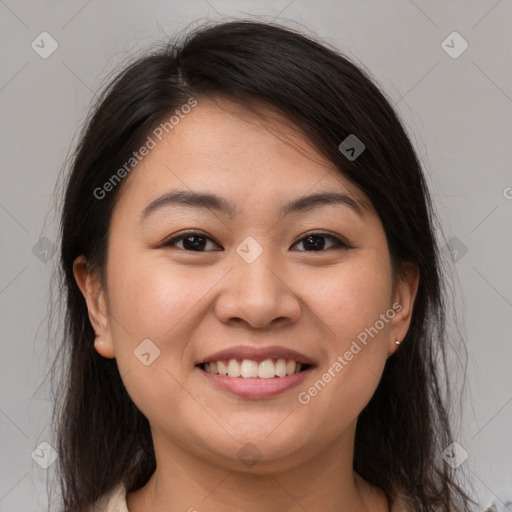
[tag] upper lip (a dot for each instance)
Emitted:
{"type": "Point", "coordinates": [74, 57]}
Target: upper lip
{"type": "Point", "coordinates": [257, 354]}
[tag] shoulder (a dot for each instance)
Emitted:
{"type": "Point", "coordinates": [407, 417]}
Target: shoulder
{"type": "Point", "coordinates": [113, 501]}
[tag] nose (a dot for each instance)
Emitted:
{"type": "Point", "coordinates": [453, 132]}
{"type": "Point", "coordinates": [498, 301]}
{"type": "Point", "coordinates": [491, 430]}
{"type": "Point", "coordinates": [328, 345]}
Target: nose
{"type": "Point", "coordinates": [259, 294]}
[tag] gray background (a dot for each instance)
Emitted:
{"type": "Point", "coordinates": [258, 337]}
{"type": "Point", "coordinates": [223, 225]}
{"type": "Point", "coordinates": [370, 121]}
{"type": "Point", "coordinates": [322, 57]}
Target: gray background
{"type": "Point", "coordinates": [458, 112]}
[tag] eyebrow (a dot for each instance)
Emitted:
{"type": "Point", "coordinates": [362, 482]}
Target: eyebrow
{"type": "Point", "coordinates": [215, 203]}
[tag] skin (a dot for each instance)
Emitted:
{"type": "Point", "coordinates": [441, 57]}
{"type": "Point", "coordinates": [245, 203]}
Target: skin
{"type": "Point", "coordinates": [191, 304]}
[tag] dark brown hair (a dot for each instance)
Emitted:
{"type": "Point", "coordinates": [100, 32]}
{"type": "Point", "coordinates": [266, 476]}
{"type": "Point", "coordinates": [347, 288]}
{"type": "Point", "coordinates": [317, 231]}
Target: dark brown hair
{"type": "Point", "coordinates": [102, 437]}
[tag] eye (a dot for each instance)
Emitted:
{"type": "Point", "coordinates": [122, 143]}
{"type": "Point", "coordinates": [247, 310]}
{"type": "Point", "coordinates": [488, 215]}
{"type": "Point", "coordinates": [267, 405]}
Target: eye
{"type": "Point", "coordinates": [196, 241]}
{"type": "Point", "coordinates": [193, 241]}
{"type": "Point", "coordinates": [316, 242]}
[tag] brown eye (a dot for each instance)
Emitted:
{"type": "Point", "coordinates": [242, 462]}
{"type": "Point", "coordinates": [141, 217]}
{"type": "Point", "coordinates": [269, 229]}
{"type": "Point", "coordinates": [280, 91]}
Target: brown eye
{"type": "Point", "coordinates": [316, 242]}
{"type": "Point", "coordinates": [192, 241]}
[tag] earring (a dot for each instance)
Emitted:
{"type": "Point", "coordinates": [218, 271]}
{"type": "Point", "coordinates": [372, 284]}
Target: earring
{"type": "Point", "coordinates": [397, 342]}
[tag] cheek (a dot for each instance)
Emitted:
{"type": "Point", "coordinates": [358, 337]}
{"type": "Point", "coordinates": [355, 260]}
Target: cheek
{"type": "Point", "coordinates": [149, 297]}
{"type": "Point", "coordinates": [350, 304]}
{"type": "Point", "coordinates": [152, 300]}
{"type": "Point", "coordinates": [352, 297]}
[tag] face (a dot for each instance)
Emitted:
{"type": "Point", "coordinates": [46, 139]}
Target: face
{"type": "Point", "coordinates": [186, 280]}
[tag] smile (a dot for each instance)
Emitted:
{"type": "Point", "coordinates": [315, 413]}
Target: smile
{"type": "Point", "coordinates": [251, 379]}
{"type": "Point", "coordinates": [248, 368]}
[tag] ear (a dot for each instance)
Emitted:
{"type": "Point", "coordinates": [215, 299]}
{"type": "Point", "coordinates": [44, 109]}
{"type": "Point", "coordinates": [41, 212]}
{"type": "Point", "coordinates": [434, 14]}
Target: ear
{"type": "Point", "coordinates": [92, 290]}
{"type": "Point", "coordinates": [404, 295]}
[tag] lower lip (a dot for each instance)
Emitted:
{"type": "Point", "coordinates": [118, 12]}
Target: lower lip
{"type": "Point", "coordinates": [256, 387]}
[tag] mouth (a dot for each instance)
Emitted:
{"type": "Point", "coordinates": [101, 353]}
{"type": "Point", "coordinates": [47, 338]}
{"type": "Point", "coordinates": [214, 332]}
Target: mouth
{"type": "Point", "coordinates": [251, 369]}
{"type": "Point", "coordinates": [250, 362]}
{"type": "Point", "coordinates": [255, 373]}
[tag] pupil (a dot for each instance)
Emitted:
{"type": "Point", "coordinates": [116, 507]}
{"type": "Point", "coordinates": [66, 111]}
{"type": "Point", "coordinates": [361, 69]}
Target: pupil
{"type": "Point", "coordinates": [190, 245]}
{"type": "Point", "coordinates": [320, 242]}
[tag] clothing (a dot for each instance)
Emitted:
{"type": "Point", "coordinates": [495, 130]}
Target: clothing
{"type": "Point", "coordinates": [115, 501]}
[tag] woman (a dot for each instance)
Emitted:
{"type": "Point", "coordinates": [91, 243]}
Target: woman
{"type": "Point", "coordinates": [254, 299]}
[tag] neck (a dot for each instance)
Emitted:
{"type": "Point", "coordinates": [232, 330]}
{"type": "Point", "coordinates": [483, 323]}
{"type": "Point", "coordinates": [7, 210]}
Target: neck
{"type": "Point", "coordinates": [183, 481]}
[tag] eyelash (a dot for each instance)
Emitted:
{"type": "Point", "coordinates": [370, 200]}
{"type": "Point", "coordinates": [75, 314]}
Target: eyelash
{"type": "Point", "coordinates": [339, 244]}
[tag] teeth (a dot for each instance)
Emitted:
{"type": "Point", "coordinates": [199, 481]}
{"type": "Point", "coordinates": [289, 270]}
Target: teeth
{"type": "Point", "coordinates": [281, 367]}
{"type": "Point", "coordinates": [248, 368]}
{"type": "Point", "coordinates": [233, 368]}
{"type": "Point", "coordinates": [266, 369]}
{"type": "Point", "coordinates": [221, 368]}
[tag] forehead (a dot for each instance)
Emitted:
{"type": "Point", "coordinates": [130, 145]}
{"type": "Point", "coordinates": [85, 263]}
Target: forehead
{"type": "Point", "coordinates": [223, 147]}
